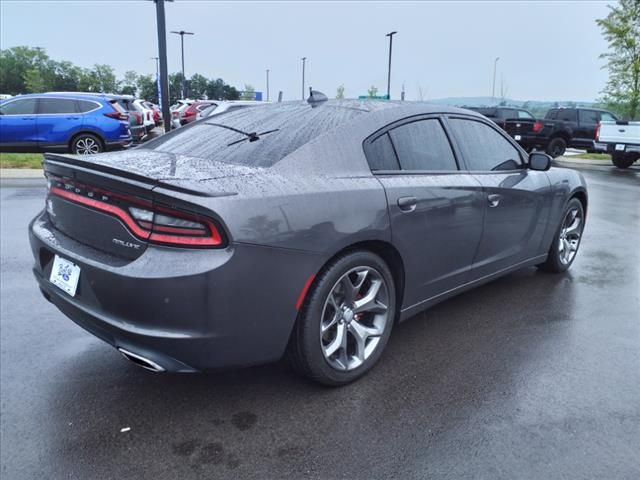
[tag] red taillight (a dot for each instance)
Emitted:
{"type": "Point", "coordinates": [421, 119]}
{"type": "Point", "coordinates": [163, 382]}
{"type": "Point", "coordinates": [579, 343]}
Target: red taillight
{"type": "Point", "coordinates": [117, 115]}
{"type": "Point", "coordinates": [189, 113]}
{"type": "Point", "coordinates": [156, 224]}
{"type": "Point", "coordinates": [537, 126]}
{"type": "Point", "coordinates": [598, 132]}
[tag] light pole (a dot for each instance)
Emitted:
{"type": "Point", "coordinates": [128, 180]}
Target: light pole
{"type": "Point", "coordinates": [304, 60]}
{"type": "Point", "coordinates": [182, 33]}
{"type": "Point", "coordinates": [493, 89]}
{"type": "Point", "coordinates": [390, 35]}
{"type": "Point", "coordinates": [163, 83]}
{"type": "Point", "coordinates": [267, 84]}
{"type": "Point", "coordinates": [157, 59]}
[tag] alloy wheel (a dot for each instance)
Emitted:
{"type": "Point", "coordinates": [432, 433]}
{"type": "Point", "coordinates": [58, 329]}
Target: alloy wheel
{"type": "Point", "coordinates": [354, 318]}
{"type": "Point", "coordinates": [570, 234]}
{"type": "Point", "coordinates": [87, 146]}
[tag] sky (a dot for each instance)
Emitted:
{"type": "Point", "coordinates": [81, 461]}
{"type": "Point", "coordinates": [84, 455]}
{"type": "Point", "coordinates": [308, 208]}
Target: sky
{"type": "Point", "coordinates": [548, 49]}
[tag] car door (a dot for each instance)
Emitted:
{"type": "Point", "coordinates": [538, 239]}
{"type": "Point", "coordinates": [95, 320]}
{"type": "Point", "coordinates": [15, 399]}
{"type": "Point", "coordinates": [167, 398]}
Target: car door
{"type": "Point", "coordinates": [18, 125]}
{"type": "Point", "coordinates": [517, 199]}
{"type": "Point", "coordinates": [57, 121]}
{"type": "Point", "coordinates": [435, 208]}
{"type": "Point", "coordinates": [585, 134]}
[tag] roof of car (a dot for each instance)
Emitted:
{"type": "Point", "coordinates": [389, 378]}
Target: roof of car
{"type": "Point", "coordinates": [93, 96]}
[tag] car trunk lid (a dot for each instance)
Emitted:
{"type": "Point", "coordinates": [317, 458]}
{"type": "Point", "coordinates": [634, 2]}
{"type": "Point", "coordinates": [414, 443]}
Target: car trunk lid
{"type": "Point", "coordinates": [108, 201]}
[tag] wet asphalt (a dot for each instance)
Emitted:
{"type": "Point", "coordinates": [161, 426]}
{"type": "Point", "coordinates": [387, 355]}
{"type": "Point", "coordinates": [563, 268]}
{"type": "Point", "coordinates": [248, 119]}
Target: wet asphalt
{"type": "Point", "coordinates": [534, 376]}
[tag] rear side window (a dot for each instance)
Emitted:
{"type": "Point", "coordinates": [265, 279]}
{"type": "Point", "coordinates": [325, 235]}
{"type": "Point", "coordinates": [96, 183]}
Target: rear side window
{"type": "Point", "coordinates": [53, 106]}
{"type": "Point", "coordinates": [423, 145]}
{"type": "Point", "coordinates": [588, 116]}
{"type": "Point", "coordinates": [483, 147]}
{"type": "Point", "coordinates": [26, 106]}
{"type": "Point", "coordinates": [524, 114]}
{"type": "Point", "coordinates": [380, 154]}
{"type": "Point", "coordinates": [567, 115]}
{"type": "Point", "coordinates": [551, 114]}
{"type": "Point", "coordinates": [85, 106]}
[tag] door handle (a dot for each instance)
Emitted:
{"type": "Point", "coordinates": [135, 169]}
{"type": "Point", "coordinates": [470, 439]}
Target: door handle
{"type": "Point", "coordinates": [407, 204]}
{"type": "Point", "coordinates": [494, 199]}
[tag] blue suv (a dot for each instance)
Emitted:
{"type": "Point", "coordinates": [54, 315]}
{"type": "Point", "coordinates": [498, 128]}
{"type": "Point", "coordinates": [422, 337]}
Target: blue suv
{"type": "Point", "coordinates": [59, 122]}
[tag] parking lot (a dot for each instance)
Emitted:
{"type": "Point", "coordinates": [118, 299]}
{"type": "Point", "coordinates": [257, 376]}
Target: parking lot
{"type": "Point", "coordinates": [531, 376]}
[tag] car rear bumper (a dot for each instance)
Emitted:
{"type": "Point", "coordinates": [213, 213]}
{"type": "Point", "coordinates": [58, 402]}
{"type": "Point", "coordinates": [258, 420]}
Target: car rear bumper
{"type": "Point", "coordinates": [531, 141]}
{"type": "Point", "coordinates": [185, 310]}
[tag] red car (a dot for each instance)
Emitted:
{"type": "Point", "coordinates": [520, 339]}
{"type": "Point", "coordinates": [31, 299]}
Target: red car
{"type": "Point", "coordinates": [190, 114]}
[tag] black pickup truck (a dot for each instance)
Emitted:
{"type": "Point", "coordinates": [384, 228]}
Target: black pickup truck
{"type": "Point", "coordinates": [499, 115]}
{"type": "Point", "coordinates": [560, 128]}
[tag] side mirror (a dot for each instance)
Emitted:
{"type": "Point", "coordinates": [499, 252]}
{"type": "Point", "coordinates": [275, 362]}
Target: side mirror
{"type": "Point", "coordinates": [539, 161]}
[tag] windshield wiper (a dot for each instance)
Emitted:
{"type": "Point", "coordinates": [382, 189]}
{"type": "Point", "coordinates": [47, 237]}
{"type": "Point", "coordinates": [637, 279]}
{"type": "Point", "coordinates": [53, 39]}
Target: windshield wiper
{"type": "Point", "coordinates": [251, 136]}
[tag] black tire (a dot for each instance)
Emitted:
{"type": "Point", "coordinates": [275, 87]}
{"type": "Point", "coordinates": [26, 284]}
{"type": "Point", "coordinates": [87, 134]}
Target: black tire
{"type": "Point", "coordinates": [554, 263]}
{"type": "Point", "coordinates": [86, 144]}
{"type": "Point", "coordinates": [556, 147]}
{"type": "Point", "coordinates": [305, 351]}
{"type": "Point", "coordinates": [622, 160]}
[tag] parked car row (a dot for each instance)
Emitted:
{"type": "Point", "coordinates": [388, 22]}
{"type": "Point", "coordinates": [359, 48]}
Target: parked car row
{"type": "Point", "coordinates": [75, 122]}
{"type": "Point", "coordinates": [590, 129]}
{"type": "Point", "coordinates": [184, 112]}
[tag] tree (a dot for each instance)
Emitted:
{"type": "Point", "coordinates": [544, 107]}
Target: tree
{"type": "Point", "coordinates": [340, 93]}
{"type": "Point", "coordinates": [147, 88]}
{"type": "Point", "coordinates": [198, 86]}
{"type": "Point", "coordinates": [621, 30]}
{"type": "Point", "coordinates": [373, 91]}
{"type": "Point", "coordinates": [15, 63]}
{"type": "Point", "coordinates": [249, 92]}
{"type": "Point", "coordinates": [128, 85]}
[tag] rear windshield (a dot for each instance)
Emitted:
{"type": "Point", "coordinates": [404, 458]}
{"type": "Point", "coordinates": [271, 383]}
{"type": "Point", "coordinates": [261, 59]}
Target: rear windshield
{"type": "Point", "coordinates": [295, 124]}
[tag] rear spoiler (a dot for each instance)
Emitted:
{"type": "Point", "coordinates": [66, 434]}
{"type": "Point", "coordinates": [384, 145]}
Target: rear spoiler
{"type": "Point", "coordinates": [65, 160]}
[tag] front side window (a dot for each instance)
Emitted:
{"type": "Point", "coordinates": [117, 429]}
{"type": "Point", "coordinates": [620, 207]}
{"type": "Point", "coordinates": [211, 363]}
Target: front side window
{"type": "Point", "coordinates": [26, 106]}
{"type": "Point", "coordinates": [588, 116]}
{"type": "Point", "coordinates": [607, 117]}
{"type": "Point", "coordinates": [524, 114]}
{"type": "Point", "coordinates": [423, 145]}
{"type": "Point", "coordinates": [483, 147]}
{"type": "Point", "coordinates": [56, 106]}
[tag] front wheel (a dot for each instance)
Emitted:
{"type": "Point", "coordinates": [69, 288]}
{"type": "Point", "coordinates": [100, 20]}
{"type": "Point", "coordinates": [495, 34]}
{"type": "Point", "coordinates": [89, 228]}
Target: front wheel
{"type": "Point", "coordinates": [566, 242]}
{"type": "Point", "coordinates": [86, 144]}
{"type": "Point", "coordinates": [345, 321]}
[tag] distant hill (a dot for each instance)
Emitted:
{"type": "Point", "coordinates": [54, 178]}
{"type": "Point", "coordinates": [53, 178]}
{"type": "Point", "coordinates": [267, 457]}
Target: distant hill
{"type": "Point", "coordinates": [488, 101]}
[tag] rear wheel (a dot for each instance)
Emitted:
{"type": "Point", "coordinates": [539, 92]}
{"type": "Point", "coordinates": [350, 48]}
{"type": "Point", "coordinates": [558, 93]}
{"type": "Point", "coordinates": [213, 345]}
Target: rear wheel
{"type": "Point", "coordinates": [566, 242]}
{"type": "Point", "coordinates": [557, 146]}
{"type": "Point", "coordinates": [345, 321]}
{"type": "Point", "coordinates": [86, 144]}
{"type": "Point", "coordinates": [622, 160]}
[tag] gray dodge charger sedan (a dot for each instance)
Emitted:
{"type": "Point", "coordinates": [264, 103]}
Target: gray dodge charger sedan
{"type": "Point", "coordinates": [305, 230]}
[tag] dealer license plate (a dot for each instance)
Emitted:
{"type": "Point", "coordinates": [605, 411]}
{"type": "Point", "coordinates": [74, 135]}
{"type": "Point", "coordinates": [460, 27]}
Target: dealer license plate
{"type": "Point", "coordinates": [65, 275]}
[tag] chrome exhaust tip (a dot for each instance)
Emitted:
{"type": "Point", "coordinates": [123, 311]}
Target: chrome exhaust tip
{"type": "Point", "coordinates": [141, 361]}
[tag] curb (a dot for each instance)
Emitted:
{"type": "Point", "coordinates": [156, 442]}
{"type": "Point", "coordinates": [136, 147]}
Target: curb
{"type": "Point", "coordinates": [21, 173]}
{"type": "Point", "coordinates": [584, 161]}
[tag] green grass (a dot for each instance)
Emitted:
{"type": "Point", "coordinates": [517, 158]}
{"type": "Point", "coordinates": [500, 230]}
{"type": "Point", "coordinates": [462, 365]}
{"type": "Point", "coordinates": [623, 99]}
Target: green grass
{"type": "Point", "coordinates": [593, 156]}
{"type": "Point", "coordinates": [20, 160]}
